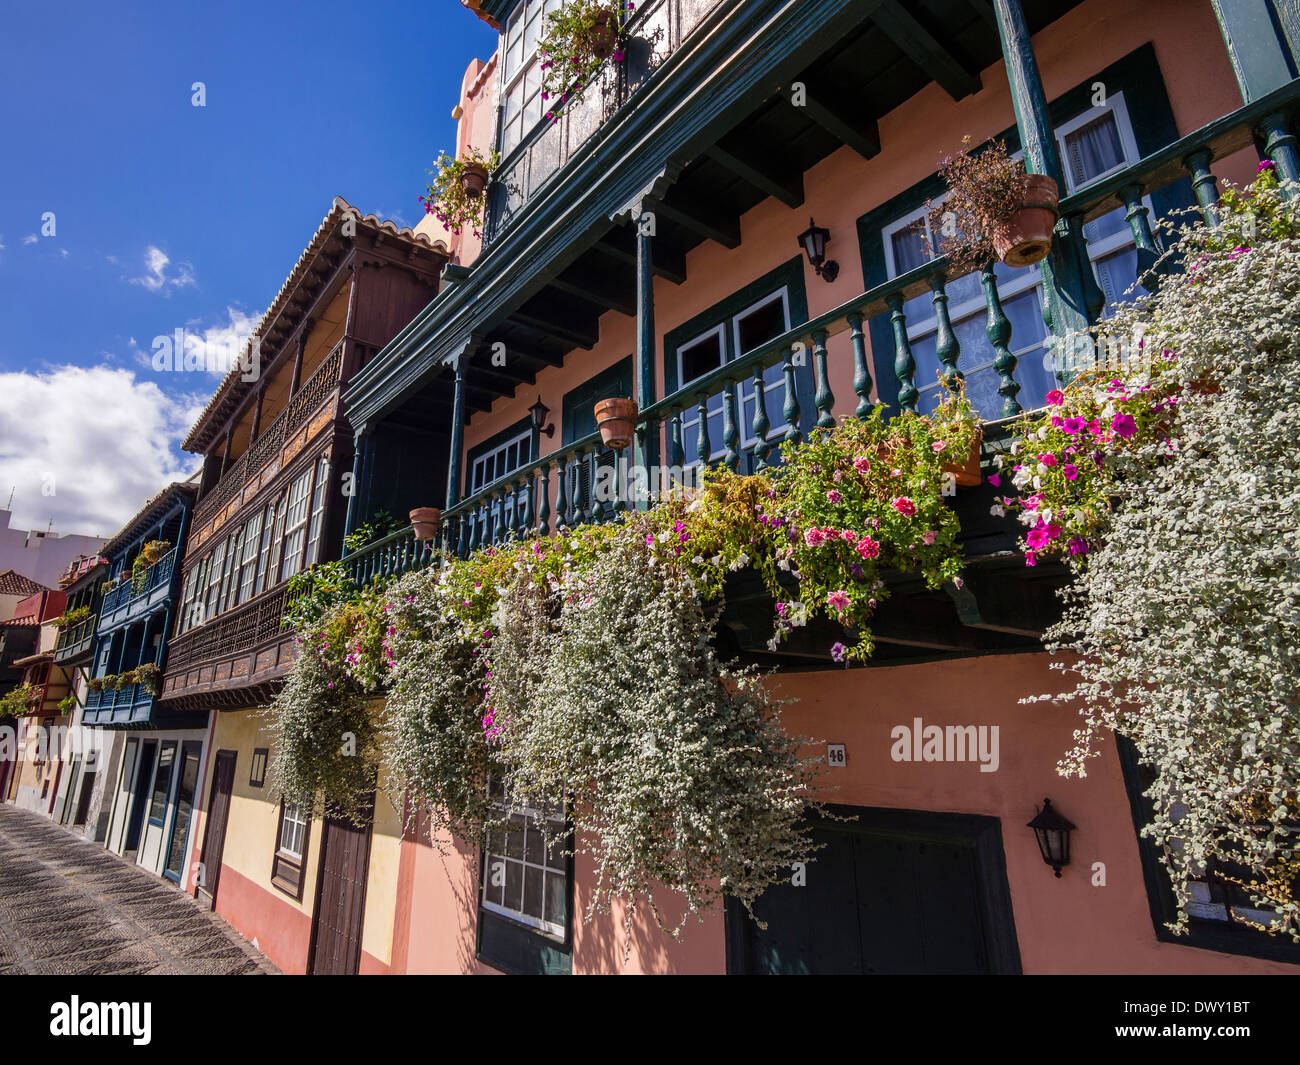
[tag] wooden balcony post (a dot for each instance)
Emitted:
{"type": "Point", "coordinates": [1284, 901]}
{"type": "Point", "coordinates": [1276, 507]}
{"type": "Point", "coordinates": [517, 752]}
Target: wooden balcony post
{"type": "Point", "coordinates": [296, 379]}
{"type": "Point", "coordinates": [257, 414]}
{"type": "Point", "coordinates": [225, 451]}
{"type": "Point", "coordinates": [1072, 298]}
{"type": "Point", "coordinates": [643, 454]}
{"type": "Point", "coordinates": [361, 443]}
{"type": "Point", "coordinates": [457, 433]}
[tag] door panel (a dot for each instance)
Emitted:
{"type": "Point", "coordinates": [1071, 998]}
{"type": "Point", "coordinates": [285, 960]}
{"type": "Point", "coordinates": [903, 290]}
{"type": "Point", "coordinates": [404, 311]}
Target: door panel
{"type": "Point", "coordinates": [182, 809]}
{"type": "Point", "coordinates": [895, 892]}
{"type": "Point", "coordinates": [214, 835]}
{"type": "Point", "coordinates": [340, 897]}
{"type": "Point", "coordinates": [140, 794]}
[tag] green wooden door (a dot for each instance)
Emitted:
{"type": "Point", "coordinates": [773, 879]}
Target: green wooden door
{"type": "Point", "coordinates": [896, 892]}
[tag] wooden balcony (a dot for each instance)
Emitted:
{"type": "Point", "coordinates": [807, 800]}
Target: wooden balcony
{"type": "Point", "coordinates": [76, 644]}
{"type": "Point", "coordinates": [130, 600]}
{"type": "Point", "coordinates": [237, 659]}
{"type": "Point", "coordinates": [310, 411]}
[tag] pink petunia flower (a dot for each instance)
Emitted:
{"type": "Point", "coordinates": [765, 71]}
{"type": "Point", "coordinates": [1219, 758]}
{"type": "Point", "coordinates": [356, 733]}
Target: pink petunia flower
{"type": "Point", "coordinates": [904, 506]}
{"type": "Point", "coordinates": [1124, 425]}
{"type": "Point", "coordinates": [838, 601]}
{"type": "Point", "coordinates": [868, 548]}
{"type": "Point", "coordinates": [1055, 397]}
{"type": "Point", "coordinates": [833, 496]}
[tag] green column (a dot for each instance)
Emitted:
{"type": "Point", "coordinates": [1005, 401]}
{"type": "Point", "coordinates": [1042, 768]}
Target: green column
{"type": "Point", "coordinates": [1071, 297]}
{"type": "Point", "coordinates": [644, 450]}
{"type": "Point", "coordinates": [457, 433]}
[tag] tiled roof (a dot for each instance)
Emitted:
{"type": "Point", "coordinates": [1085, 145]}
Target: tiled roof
{"type": "Point", "coordinates": [233, 386]}
{"type": "Point", "coordinates": [14, 583]}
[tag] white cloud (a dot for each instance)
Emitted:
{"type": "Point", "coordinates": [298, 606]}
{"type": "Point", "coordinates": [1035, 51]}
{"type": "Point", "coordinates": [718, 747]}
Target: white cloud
{"type": "Point", "coordinates": [213, 349]}
{"type": "Point", "coordinates": [31, 238]}
{"type": "Point", "coordinates": [2, 242]}
{"type": "Point", "coordinates": [86, 446]}
{"type": "Point", "coordinates": [155, 277]}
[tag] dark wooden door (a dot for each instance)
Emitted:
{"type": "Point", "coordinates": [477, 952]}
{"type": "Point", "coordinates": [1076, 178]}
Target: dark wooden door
{"type": "Point", "coordinates": [214, 834]}
{"type": "Point", "coordinates": [83, 800]}
{"type": "Point", "coordinates": [140, 795]}
{"type": "Point", "coordinates": [340, 898]}
{"type": "Point", "coordinates": [896, 892]}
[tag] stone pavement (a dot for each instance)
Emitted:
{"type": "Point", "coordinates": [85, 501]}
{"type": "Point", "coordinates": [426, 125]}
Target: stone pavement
{"type": "Point", "coordinates": [68, 906]}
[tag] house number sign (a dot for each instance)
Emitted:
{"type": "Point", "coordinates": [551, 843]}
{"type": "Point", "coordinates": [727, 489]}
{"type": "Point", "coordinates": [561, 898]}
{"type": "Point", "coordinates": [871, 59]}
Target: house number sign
{"type": "Point", "coordinates": [835, 755]}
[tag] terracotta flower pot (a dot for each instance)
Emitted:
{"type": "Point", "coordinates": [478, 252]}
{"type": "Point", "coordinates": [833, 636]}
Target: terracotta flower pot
{"type": "Point", "coordinates": [1025, 236]}
{"type": "Point", "coordinates": [473, 179]}
{"type": "Point", "coordinates": [968, 473]}
{"type": "Point", "coordinates": [602, 38]}
{"type": "Point", "coordinates": [425, 521]}
{"type": "Point", "coordinates": [616, 419]}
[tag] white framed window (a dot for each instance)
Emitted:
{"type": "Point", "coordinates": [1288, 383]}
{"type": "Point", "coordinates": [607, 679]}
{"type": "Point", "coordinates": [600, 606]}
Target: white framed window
{"type": "Point", "coordinates": [522, 106]}
{"type": "Point", "coordinates": [1093, 145]}
{"type": "Point", "coordinates": [295, 525]}
{"type": "Point", "coordinates": [524, 879]}
{"type": "Point", "coordinates": [293, 830]}
{"type": "Point", "coordinates": [215, 571]}
{"type": "Point", "coordinates": [739, 334]}
{"type": "Point", "coordinates": [501, 461]}
{"type": "Point", "coordinates": [252, 559]}
{"type": "Point", "coordinates": [230, 583]}
{"type": "Point", "coordinates": [264, 551]}
{"type": "Point", "coordinates": [316, 524]}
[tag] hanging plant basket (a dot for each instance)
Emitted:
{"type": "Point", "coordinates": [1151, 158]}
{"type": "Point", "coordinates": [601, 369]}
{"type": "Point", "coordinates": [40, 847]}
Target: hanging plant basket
{"type": "Point", "coordinates": [967, 473]}
{"type": "Point", "coordinates": [602, 37]}
{"type": "Point", "coordinates": [473, 179]}
{"type": "Point", "coordinates": [425, 522]}
{"type": "Point", "coordinates": [1024, 237]}
{"type": "Point", "coordinates": [616, 419]}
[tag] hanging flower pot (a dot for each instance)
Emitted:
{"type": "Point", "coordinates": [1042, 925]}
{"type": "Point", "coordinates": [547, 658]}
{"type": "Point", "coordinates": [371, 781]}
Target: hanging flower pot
{"type": "Point", "coordinates": [473, 179]}
{"type": "Point", "coordinates": [425, 522]}
{"type": "Point", "coordinates": [602, 37]}
{"type": "Point", "coordinates": [1024, 237]}
{"type": "Point", "coordinates": [616, 419]}
{"type": "Point", "coordinates": [967, 473]}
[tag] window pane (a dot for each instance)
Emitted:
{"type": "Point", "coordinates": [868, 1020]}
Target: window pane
{"type": "Point", "coordinates": [760, 325]}
{"type": "Point", "coordinates": [700, 357]}
{"type": "Point", "coordinates": [909, 248]}
{"type": "Point", "coordinates": [1094, 149]}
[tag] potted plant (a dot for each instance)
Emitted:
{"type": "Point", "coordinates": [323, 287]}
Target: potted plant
{"type": "Point", "coordinates": [579, 38]}
{"type": "Point", "coordinates": [425, 522]}
{"type": "Point", "coordinates": [994, 209]}
{"type": "Point", "coordinates": [96, 684]}
{"type": "Point", "coordinates": [148, 674]}
{"type": "Point", "coordinates": [155, 550]}
{"type": "Point", "coordinates": [616, 420]}
{"type": "Point", "coordinates": [455, 195]}
{"type": "Point", "coordinates": [965, 469]}
{"type": "Point", "coordinates": [125, 680]}
{"type": "Point", "coordinates": [72, 617]}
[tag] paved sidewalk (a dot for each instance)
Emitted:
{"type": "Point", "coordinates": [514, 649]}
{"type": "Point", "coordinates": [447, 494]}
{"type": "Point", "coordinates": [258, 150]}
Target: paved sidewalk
{"type": "Point", "coordinates": [69, 906]}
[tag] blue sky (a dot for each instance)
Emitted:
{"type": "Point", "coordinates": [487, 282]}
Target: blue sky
{"type": "Point", "coordinates": [167, 215]}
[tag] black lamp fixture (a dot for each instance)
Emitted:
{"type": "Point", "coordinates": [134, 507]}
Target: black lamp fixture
{"type": "Point", "coordinates": [539, 412]}
{"type": "Point", "coordinates": [813, 241]}
{"type": "Point", "coordinates": [1053, 834]}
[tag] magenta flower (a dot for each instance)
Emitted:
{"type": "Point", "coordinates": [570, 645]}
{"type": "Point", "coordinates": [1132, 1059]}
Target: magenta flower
{"type": "Point", "coordinates": [1124, 425]}
{"type": "Point", "coordinates": [929, 536]}
{"type": "Point", "coordinates": [861, 465]}
{"type": "Point", "coordinates": [1071, 471]}
{"type": "Point", "coordinates": [868, 548]}
{"type": "Point", "coordinates": [1073, 425]}
{"type": "Point", "coordinates": [838, 650]}
{"type": "Point", "coordinates": [833, 496]}
{"type": "Point", "coordinates": [904, 506]}
{"type": "Point", "coordinates": [849, 536]}
{"type": "Point", "coordinates": [838, 601]}
{"type": "Point", "coordinates": [938, 446]}
{"type": "Point", "coordinates": [995, 480]}
{"type": "Point", "coordinates": [1047, 459]}
{"type": "Point", "coordinates": [1037, 538]}
{"type": "Point", "coordinates": [1078, 546]}
{"type": "Point", "coordinates": [1267, 164]}
{"type": "Point", "coordinates": [814, 538]}
{"type": "Point", "coordinates": [1055, 397]}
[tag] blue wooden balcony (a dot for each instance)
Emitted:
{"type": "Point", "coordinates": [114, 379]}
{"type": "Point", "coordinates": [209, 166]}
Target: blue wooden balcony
{"type": "Point", "coordinates": [128, 601]}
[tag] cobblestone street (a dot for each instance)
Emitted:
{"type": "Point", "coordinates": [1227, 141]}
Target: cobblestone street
{"type": "Point", "coordinates": [68, 906]}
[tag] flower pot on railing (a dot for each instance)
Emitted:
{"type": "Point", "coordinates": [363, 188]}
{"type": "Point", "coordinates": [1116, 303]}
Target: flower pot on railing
{"type": "Point", "coordinates": [425, 522]}
{"type": "Point", "coordinates": [473, 179]}
{"type": "Point", "coordinates": [602, 37]}
{"type": "Point", "coordinates": [967, 473]}
{"type": "Point", "coordinates": [1024, 237]}
{"type": "Point", "coordinates": [616, 420]}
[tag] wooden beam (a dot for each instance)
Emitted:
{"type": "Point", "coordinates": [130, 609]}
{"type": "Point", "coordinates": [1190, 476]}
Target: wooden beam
{"type": "Point", "coordinates": [788, 188]}
{"type": "Point", "coordinates": [599, 289]}
{"type": "Point", "coordinates": [923, 49]}
{"type": "Point", "coordinates": [669, 263]}
{"type": "Point", "coordinates": [708, 220]}
{"type": "Point", "coordinates": [862, 137]}
{"type": "Point", "coordinates": [569, 331]}
{"type": "Point", "coordinates": [985, 11]}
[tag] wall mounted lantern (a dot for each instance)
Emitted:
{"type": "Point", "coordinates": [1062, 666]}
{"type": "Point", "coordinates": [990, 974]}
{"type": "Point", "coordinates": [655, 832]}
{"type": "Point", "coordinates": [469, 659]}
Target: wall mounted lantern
{"type": "Point", "coordinates": [1053, 834]}
{"type": "Point", "coordinates": [813, 241]}
{"type": "Point", "coordinates": [539, 412]}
